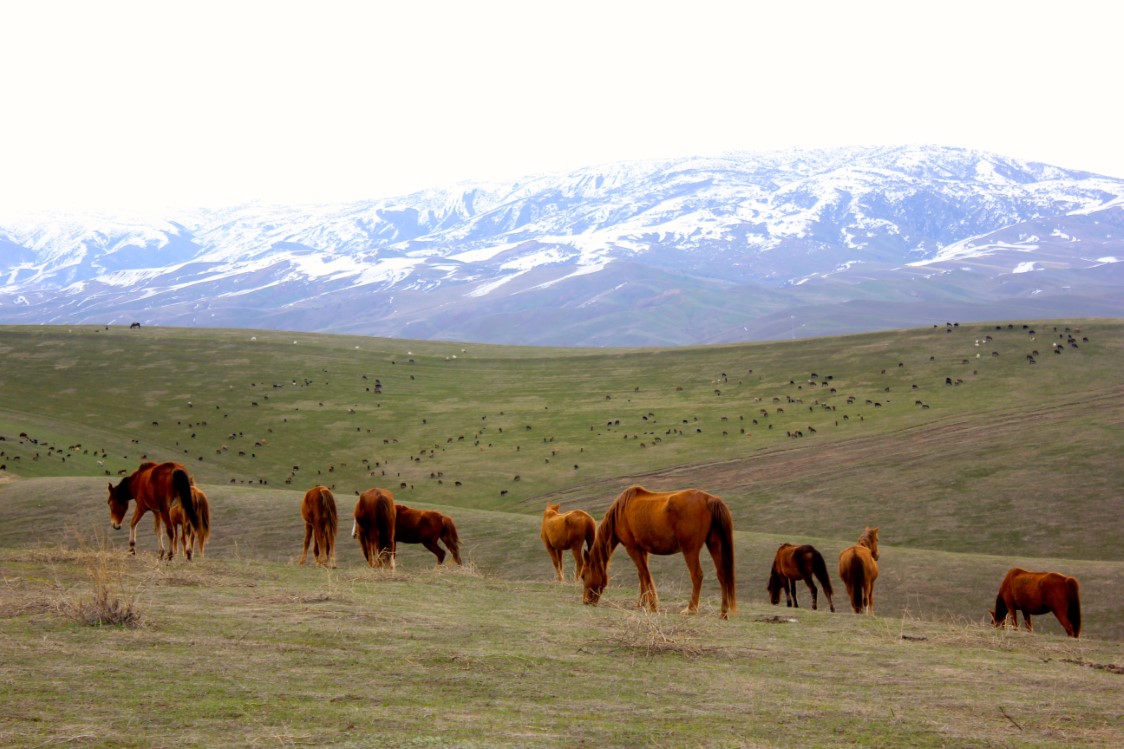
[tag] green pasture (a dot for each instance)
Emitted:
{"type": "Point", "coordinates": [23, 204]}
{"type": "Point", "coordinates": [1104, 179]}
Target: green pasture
{"type": "Point", "coordinates": [1010, 463]}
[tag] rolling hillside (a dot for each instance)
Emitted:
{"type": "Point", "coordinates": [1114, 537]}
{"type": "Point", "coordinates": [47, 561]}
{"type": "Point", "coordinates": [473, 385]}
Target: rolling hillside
{"type": "Point", "coordinates": [968, 456]}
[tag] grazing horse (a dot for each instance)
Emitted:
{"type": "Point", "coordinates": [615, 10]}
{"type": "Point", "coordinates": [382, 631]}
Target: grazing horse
{"type": "Point", "coordinates": [157, 488]}
{"type": "Point", "coordinates": [664, 523]}
{"type": "Point", "coordinates": [427, 527]}
{"type": "Point", "coordinates": [318, 509]}
{"type": "Point", "coordinates": [374, 526]}
{"type": "Point", "coordinates": [793, 563]}
{"type": "Point", "coordinates": [182, 531]}
{"type": "Point", "coordinates": [858, 568]}
{"type": "Point", "coordinates": [1036, 593]}
{"type": "Point", "coordinates": [567, 530]}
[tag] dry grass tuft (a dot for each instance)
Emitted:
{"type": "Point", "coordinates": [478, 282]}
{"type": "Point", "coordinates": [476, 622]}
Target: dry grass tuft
{"type": "Point", "coordinates": [111, 601]}
{"type": "Point", "coordinates": [655, 634]}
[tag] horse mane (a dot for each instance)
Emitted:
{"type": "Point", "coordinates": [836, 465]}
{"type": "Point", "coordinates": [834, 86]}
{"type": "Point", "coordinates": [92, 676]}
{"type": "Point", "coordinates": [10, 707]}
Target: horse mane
{"type": "Point", "coordinates": [603, 540]}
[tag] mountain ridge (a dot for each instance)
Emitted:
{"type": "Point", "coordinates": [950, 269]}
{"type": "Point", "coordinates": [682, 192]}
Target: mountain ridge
{"type": "Point", "coordinates": [732, 243]}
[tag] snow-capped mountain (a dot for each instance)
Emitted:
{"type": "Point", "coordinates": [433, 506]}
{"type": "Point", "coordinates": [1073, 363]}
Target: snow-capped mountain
{"type": "Point", "coordinates": [746, 246]}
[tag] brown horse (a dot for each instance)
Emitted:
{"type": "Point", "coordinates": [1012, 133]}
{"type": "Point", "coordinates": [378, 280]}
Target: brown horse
{"type": "Point", "coordinates": [318, 509]}
{"type": "Point", "coordinates": [793, 563]}
{"type": "Point", "coordinates": [156, 488]}
{"type": "Point", "coordinates": [858, 568]}
{"type": "Point", "coordinates": [182, 532]}
{"type": "Point", "coordinates": [1036, 593]}
{"type": "Point", "coordinates": [427, 527]}
{"type": "Point", "coordinates": [567, 530]}
{"type": "Point", "coordinates": [664, 523]}
{"type": "Point", "coordinates": [374, 526]}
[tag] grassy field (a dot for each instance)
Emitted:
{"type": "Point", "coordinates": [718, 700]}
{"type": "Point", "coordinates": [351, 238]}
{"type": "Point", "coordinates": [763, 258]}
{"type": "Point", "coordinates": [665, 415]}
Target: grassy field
{"type": "Point", "coordinates": [1010, 463]}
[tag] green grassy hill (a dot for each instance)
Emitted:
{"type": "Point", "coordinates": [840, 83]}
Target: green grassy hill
{"type": "Point", "coordinates": [970, 458]}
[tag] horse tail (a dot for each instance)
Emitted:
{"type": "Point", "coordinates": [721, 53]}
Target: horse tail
{"type": "Point", "coordinates": [722, 523]}
{"type": "Point", "coordinates": [858, 583]}
{"type": "Point", "coordinates": [181, 486]}
{"type": "Point", "coordinates": [819, 569]}
{"type": "Point", "coordinates": [329, 522]}
{"type": "Point", "coordinates": [450, 537]}
{"type": "Point", "coordinates": [203, 507]}
{"type": "Point", "coordinates": [1073, 607]}
{"type": "Point", "coordinates": [384, 522]}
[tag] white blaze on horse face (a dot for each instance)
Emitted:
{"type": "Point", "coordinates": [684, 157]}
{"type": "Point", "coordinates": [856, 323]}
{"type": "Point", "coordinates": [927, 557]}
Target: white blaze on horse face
{"type": "Point", "coordinates": [354, 528]}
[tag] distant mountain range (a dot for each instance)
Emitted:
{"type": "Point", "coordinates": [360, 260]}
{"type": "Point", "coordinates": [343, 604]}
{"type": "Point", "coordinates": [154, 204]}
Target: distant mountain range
{"type": "Point", "coordinates": [688, 251]}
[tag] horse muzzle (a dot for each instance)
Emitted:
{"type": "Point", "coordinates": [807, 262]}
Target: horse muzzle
{"type": "Point", "coordinates": [115, 524]}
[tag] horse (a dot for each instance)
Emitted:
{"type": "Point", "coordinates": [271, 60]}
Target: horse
{"type": "Point", "coordinates": [374, 526]}
{"type": "Point", "coordinates": [858, 568]}
{"type": "Point", "coordinates": [1036, 593]}
{"type": "Point", "coordinates": [155, 487]}
{"type": "Point", "coordinates": [318, 509]}
{"type": "Point", "coordinates": [793, 563]}
{"type": "Point", "coordinates": [664, 523]}
{"type": "Point", "coordinates": [567, 530]}
{"type": "Point", "coordinates": [182, 531]}
{"type": "Point", "coordinates": [426, 527]}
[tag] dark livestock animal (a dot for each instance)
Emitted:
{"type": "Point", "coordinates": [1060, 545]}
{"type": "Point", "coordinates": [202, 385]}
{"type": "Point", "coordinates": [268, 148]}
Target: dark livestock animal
{"type": "Point", "coordinates": [1036, 593]}
{"type": "Point", "coordinates": [793, 563]}
{"type": "Point", "coordinates": [664, 523]}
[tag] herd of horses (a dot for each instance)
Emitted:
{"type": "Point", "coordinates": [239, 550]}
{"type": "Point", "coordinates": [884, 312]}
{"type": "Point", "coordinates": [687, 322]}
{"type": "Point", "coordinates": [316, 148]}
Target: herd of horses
{"type": "Point", "coordinates": [642, 521]}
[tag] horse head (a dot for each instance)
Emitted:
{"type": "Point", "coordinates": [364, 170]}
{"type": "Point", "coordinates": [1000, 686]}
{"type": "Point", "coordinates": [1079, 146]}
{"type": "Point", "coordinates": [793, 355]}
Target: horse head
{"type": "Point", "coordinates": [551, 509]}
{"type": "Point", "coordinates": [774, 587]}
{"type": "Point", "coordinates": [119, 497]}
{"type": "Point", "coordinates": [595, 577]}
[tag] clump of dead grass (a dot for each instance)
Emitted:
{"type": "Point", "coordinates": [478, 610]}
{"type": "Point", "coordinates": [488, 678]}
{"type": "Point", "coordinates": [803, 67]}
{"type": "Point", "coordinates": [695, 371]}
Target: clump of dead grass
{"type": "Point", "coordinates": [653, 633]}
{"type": "Point", "coordinates": [112, 600]}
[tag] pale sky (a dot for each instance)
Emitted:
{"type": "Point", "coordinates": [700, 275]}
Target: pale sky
{"type": "Point", "coordinates": [116, 105]}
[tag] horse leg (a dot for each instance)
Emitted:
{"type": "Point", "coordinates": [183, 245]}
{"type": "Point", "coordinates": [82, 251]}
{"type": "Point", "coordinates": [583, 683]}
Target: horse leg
{"type": "Point", "coordinates": [648, 598]}
{"type": "Point", "coordinates": [791, 586]}
{"type": "Point", "coordinates": [812, 587]}
{"type": "Point", "coordinates": [437, 551]}
{"type": "Point", "coordinates": [578, 563]}
{"type": "Point", "coordinates": [1026, 619]}
{"type": "Point", "coordinates": [870, 598]}
{"type": "Point", "coordinates": [556, 560]}
{"type": "Point", "coordinates": [692, 558]}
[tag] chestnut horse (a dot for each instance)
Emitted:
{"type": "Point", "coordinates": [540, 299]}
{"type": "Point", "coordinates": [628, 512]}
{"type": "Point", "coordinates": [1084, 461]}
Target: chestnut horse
{"type": "Point", "coordinates": [664, 523]}
{"type": "Point", "coordinates": [318, 509]}
{"type": "Point", "coordinates": [858, 568]}
{"type": "Point", "coordinates": [427, 527]}
{"type": "Point", "coordinates": [157, 488]}
{"type": "Point", "coordinates": [793, 563]}
{"type": "Point", "coordinates": [182, 531]}
{"type": "Point", "coordinates": [567, 530]}
{"type": "Point", "coordinates": [374, 526]}
{"type": "Point", "coordinates": [1036, 593]}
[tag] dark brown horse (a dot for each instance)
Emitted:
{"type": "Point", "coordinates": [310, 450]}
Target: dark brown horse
{"type": "Point", "coordinates": [1035, 593]}
{"type": "Point", "coordinates": [858, 568]}
{"type": "Point", "coordinates": [664, 523]}
{"type": "Point", "coordinates": [567, 530]}
{"type": "Point", "coordinates": [427, 527]}
{"type": "Point", "coordinates": [374, 526]}
{"type": "Point", "coordinates": [182, 532]}
{"type": "Point", "coordinates": [793, 563]}
{"type": "Point", "coordinates": [156, 488]}
{"type": "Point", "coordinates": [318, 509]}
